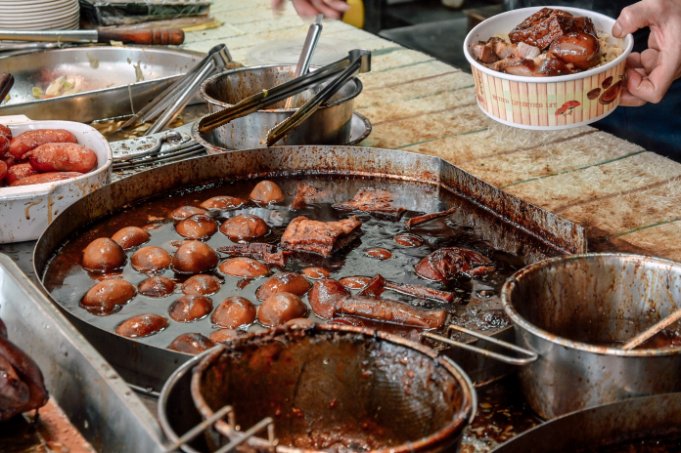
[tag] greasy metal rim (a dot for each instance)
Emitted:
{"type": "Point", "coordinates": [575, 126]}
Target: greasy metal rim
{"type": "Point", "coordinates": [464, 415]}
{"type": "Point", "coordinates": [211, 100]}
{"type": "Point", "coordinates": [520, 322]}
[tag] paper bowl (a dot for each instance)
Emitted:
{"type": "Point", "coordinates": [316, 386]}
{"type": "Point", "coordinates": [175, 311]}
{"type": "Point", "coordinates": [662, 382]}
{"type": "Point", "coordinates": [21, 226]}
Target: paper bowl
{"type": "Point", "coordinates": [27, 210]}
{"type": "Point", "coordinates": [552, 102]}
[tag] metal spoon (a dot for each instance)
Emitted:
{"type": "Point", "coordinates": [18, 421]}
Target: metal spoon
{"type": "Point", "coordinates": [309, 46]}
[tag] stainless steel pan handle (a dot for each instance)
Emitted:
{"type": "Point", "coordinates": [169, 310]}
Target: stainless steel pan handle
{"type": "Point", "coordinates": [531, 356]}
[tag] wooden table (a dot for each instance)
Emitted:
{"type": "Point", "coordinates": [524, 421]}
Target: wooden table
{"type": "Point", "coordinates": [626, 197]}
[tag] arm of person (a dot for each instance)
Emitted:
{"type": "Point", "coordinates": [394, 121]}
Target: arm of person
{"type": "Point", "coordinates": [651, 72]}
{"type": "Point", "coordinates": [332, 9]}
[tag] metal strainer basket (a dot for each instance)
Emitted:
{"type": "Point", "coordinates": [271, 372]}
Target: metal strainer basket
{"type": "Point", "coordinates": [336, 388]}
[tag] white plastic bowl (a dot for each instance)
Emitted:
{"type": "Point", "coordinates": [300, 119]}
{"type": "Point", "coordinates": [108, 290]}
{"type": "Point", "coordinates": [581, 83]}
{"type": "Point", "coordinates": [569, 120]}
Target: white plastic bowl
{"type": "Point", "coordinates": [546, 103]}
{"type": "Point", "coordinates": [25, 211]}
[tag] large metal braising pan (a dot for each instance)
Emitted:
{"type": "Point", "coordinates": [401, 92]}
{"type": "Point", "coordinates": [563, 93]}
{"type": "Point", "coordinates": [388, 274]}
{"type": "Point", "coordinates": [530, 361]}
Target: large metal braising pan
{"type": "Point", "coordinates": [88, 390]}
{"type": "Point", "coordinates": [118, 80]}
{"type": "Point", "coordinates": [150, 366]}
{"type": "Point", "coordinates": [649, 418]}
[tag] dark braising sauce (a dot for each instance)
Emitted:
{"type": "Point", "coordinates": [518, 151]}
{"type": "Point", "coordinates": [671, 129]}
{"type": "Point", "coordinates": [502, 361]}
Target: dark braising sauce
{"type": "Point", "coordinates": [375, 251]}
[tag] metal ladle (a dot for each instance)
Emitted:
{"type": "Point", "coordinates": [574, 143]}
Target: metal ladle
{"type": "Point", "coordinates": [309, 46]}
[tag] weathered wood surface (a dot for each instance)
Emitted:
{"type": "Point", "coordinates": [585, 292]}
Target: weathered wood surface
{"type": "Point", "coordinates": [628, 198]}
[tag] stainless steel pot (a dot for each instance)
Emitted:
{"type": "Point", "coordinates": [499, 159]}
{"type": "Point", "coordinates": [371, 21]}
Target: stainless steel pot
{"type": "Point", "coordinates": [336, 387]}
{"type": "Point", "coordinates": [620, 426]}
{"type": "Point", "coordinates": [575, 312]}
{"type": "Point", "coordinates": [329, 125]}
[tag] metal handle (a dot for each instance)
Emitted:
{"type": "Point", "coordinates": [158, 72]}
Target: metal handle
{"type": "Point", "coordinates": [270, 96]}
{"type": "Point", "coordinates": [266, 422]}
{"type": "Point", "coordinates": [360, 62]}
{"type": "Point", "coordinates": [531, 355]}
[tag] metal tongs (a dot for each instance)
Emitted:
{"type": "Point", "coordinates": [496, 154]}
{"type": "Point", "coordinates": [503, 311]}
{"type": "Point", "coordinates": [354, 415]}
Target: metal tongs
{"type": "Point", "coordinates": [174, 98]}
{"type": "Point", "coordinates": [357, 61]}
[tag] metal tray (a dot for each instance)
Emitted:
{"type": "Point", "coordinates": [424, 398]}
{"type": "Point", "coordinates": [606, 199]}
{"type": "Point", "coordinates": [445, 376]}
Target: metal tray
{"type": "Point", "coordinates": [89, 391]}
{"type": "Point", "coordinates": [116, 80]}
{"type": "Point", "coordinates": [510, 224]}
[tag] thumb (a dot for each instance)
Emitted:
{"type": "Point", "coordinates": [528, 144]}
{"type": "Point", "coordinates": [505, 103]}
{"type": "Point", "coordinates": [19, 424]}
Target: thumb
{"type": "Point", "coordinates": [631, 18]}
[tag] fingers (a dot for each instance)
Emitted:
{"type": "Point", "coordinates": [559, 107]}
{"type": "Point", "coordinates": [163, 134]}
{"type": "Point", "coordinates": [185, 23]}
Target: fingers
{"type": "Point", "coordinates": [632, 18]}
{"type": "Point", "coordinates": [333, 9]}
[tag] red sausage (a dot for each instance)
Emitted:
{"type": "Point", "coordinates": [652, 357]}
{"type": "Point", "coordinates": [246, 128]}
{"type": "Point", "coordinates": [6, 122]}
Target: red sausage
{"type": "Point", "coordinates": [19, 171]}
{"type": "Point", "coordinates": [5, 131]}
{"type": "Point", "coordinates": [45, 177]}
{"type": "Point", "coordinates": [23, 143]}
{"type": "Point", "coordinates": [4, 144]}
{"type": "Point", "coordinates": [3, 170]}
{"type": "Point", "coordinates": [62, 157]}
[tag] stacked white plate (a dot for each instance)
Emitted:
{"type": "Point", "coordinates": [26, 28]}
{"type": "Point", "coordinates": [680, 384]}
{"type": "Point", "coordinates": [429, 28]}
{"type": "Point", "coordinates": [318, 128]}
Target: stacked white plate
{"type": "Point", "coordinates": [39, 14]}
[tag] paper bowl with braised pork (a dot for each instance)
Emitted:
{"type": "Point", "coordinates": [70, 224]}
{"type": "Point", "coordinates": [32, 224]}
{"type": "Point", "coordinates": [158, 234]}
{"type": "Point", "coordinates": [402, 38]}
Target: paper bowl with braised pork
{"type": "Point", "coordinates": [547, 68]}
{"type": "Point", "coordinates": [45, 166]}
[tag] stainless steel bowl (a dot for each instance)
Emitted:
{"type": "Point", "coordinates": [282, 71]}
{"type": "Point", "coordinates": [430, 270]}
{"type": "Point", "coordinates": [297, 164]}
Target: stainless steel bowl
{"type": "Point", "coordinates": [328, 126]}
{"type": "Point", "coordinates": [575, 312]}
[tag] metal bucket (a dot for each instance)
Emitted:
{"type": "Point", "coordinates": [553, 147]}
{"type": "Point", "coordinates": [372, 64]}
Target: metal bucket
{"type": "Point", "coordinates": [575, 311]}
{"type": "Point", "coordinates": [337, 387]}
{"type": "Point", "coordinates": [329, 125]}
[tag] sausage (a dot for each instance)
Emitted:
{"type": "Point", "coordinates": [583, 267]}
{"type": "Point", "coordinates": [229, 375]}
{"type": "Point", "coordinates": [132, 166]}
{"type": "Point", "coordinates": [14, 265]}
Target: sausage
{"type": "Point", "coordinates": [289, 282]}
{"type": "Point", "coordinates": [40, 178]}
{"type": "Point", "coordinates": [223, 335]}
{"type": "Point", "coordinates": [5, 131]}
{"type": "Point", "coordinates": [150, 259]}
{"type": "Point", "coordinates": [108, 296]}
{"type": "Point", "coordinates": [3, 170]}
{"type": "Point", "coordinates": [4, 145]}
{"type": "Point", "coordinates": [243, 267]}
{"type": "Point", "coordinates": [201, 284]}
{"type": "Point", "coordinates": [315, 272]}
{"type": "Point", "coordinates": [280, 308]}
{"type": "Point", "coordinates": [130, 236]}
{"type": "Point", "coordinates": [266, 192]}
{"type": "Point", "coordinates": [62, 157]}
{"type": "Point", "coordinates": [191, 343]}
{"type": "Point", "coordinates": [103, 255]}
{"type": "Point", "coordinates": [194, 257]}
{"type": "Point", "coordinates": [25, 142]}
{"type": "Point", "coordinates": [19, 171]}
{"type": "Point", "coordinates": [142, 325]}
{"type": "Point", "coordinates": [233, 312]}
{"type": "Point", "coordinates": [156, 286]}
{"type": "Point", "coordinates": [190, 308]}
{"type": "Point", "coordinates": [355, 281]}
{"type": "Point", "coordinates": [391, 311]}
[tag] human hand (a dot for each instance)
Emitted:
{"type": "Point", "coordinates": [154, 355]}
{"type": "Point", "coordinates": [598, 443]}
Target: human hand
{"type": "Point", "coordinates": [332, 9]}
{"type": "Point", "coordinates": [651, 72]}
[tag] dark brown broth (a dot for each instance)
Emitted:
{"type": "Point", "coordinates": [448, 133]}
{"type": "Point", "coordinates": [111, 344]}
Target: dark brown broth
{"type": "Point", "coordinates": [477, 307]}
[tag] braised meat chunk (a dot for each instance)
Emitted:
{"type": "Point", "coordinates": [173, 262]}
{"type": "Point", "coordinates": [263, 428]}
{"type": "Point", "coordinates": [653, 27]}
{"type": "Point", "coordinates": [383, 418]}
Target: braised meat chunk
{"type": "Point", "coordinates": [448, 263]}
{"type": "Point", "coordinates": [306, 235]}
{"type": "Point", "coordinates": [543, 27]}
{"type": "Point", "coordinates": [256, 250]}
{"type": "Point", "coordinates": [371, 200]}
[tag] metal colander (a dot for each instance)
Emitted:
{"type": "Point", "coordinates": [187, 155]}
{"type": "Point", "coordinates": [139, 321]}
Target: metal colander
{"type": "Point", "coordinates": [337, 388]}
